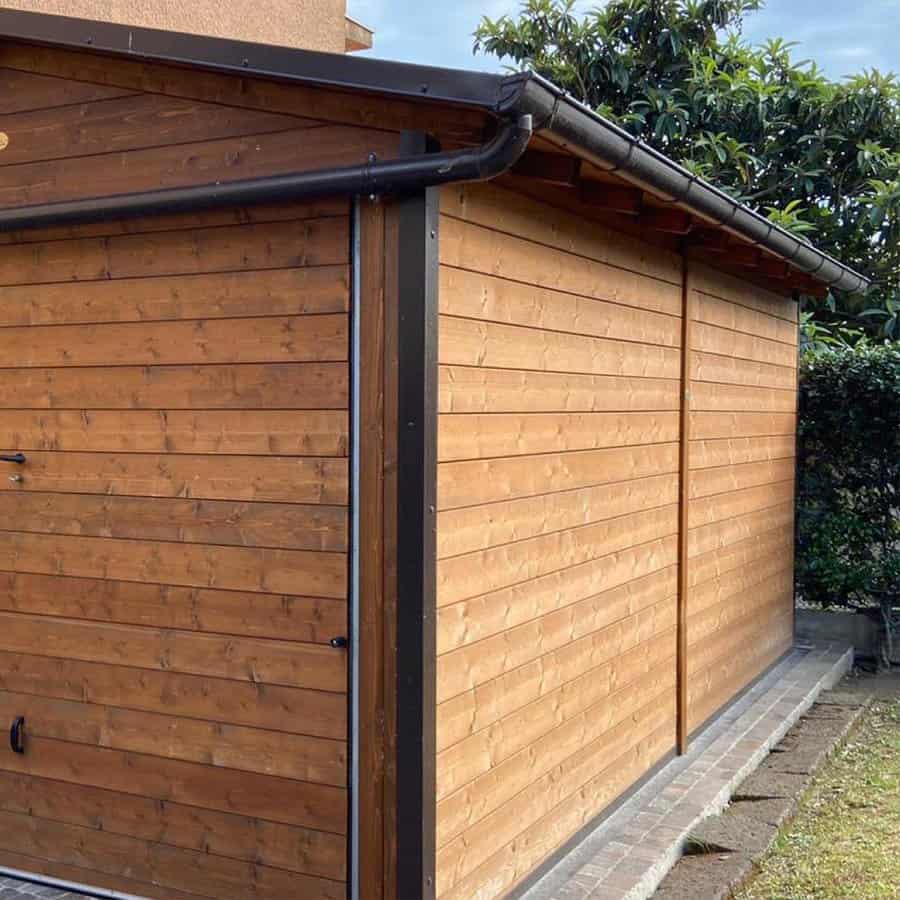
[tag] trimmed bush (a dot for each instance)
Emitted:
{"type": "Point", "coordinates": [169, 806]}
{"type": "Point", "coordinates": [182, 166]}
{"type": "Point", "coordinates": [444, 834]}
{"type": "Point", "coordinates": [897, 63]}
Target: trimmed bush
{"type": "Point", "coordinates": [848, 547]}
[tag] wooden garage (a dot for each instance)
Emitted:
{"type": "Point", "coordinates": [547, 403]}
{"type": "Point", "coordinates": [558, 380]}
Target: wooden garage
{"type": "Point", "coordinates": [398, 466]}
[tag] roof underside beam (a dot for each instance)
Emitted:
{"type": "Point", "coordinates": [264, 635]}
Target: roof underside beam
{"type": "Point", "coordinates": [618, 198]}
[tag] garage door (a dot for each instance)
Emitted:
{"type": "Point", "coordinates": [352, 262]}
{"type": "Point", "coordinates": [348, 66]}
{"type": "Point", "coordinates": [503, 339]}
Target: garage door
{"type": "Point", "coordinates": [173, 554]}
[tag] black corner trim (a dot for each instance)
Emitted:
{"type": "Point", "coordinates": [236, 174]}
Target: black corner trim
{"type": "Point", "coordinates": [416, 544]}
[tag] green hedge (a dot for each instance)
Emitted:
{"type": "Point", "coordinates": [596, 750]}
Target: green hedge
{"type": "Point", "coordinates": [848, 536]}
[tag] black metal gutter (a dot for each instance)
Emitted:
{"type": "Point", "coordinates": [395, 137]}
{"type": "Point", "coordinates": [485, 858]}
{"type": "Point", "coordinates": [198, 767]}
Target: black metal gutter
{"type": "Point", "coordinates": [574, 125]}
{"type": "Point", "coordinates": [613, 149]}
{"type": "Point", "coordinates": [395, 176]}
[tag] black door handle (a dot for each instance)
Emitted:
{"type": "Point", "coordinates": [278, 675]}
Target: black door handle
{"type": "Point", "coordinates": [18, 458]}
{"type": "Point", "coordinates": [17, 735]}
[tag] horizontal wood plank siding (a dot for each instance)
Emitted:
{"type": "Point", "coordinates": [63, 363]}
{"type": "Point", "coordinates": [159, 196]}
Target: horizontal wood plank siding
{"type": "Point", "coordinates": [557, 529]}
{"type": "Point", "coordinates": [743, 367]}
{"type": "Point", "coordinates": [82, 126]}
{"type": "Point", "coordinates": [175, 559]}
{"type": "Point", "coordinates": [175, 553]}
{"type": "Point", "coordinates": [61, 77]}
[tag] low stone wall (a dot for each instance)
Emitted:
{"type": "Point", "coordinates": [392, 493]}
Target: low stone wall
{"type": "Point", "coordinates": [857, 629]}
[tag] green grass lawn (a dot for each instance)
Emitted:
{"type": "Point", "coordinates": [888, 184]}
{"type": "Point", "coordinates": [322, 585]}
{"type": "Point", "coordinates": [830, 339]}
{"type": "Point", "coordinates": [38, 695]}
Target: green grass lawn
{"type": "Point", "coordinates": [845, 841]}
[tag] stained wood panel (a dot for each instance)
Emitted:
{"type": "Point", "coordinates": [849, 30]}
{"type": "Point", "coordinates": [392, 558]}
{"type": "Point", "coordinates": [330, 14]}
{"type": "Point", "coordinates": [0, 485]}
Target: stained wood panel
{"type": "Point", "coordinates": [473, 390]}
{"type": "Point", "coordinates": [257, 432]}
{"type": "Point", "coordinates": [721, 369]}
{"type": "Point", "coordinates": [278, 479]}
{"type": "Point", "coordinates": [739, 345]}
{"type": "Point", "coordinates": [251, 386]}
{"type": "Point", "coordinates": [295, 526]}
{"type": "Point", "coordinates": [527, 219]}
{"type": "Point", "coordinates": [719, 426]}
{"type": "Point", "coordinates": [195, 251]}
{"type": "Point", "coordinates": [129, 123]}
{"type": "Point", "coordinates": [479, 482]}
{"type": "Point", "coordinates": [739, 601]}
{"type": "Point", "coordinates": [301, 757]}
{"type": "Point", "coordinates": [295, 339]}
{"type": "Point", "coordinates": [736, 292]}
{"type": "Point", "coordinates": [175, 547]}
{"type": "Point", "coordinates": [182, 221]}
{"type": "Point", "coordinates": [480, 296]}
{"type": "Point", "coordinates": [476, 527]}
{"type": "Point", "coordinates": [109, 77]}
{"type": "Point", "coordinates": [277, 292]}
{"type": "Point", "coordinates": [470, 342]}
{"type": "Point", "coordinates": [760, 319]}
{"type": "Point", "coordinates": [183, 871]}
{"type": "Point", "coordinates": [207, 162]}
{"type": "Point", "coordinates": [557, 528]}
{"type": "Point", "coordinates": [739, 451]}
{"type": "Point", "coordinates": [287, 616]}
{"type": "Point", "coordinates": [475, 574]}
{"type": "Point", "coordinates": [472, 752]}
{"type": "Point", "coordinates": [741, 398]}
{"type": "Point", "coordinates": [222, 836]}
{"type": "Point", "coordinates": [632, 746]}
{"type": "Point", "coordinates": [465, 436]}
{"type": "Point", "coordinates": [770, 530]}
{"type": "Point", "coordinates": [27, 91]}
{"type": "Point", "coordinates": [248, 702]}
{"type": "Point", "coordinates": [180, 386]}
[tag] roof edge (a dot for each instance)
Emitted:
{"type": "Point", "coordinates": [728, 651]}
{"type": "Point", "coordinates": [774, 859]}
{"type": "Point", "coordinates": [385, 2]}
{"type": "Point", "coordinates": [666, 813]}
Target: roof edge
{"type": "Point", "coordinates": [616, 151]}
{"type": "Point", "coordinates": [340, 71]}
{"type": "Point", "coordinates": [511, 97]}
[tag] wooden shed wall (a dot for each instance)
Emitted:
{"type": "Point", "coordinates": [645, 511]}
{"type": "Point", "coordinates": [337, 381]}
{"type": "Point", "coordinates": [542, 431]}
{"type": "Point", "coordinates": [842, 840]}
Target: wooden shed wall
{"type": "Point", "coordinates": [558, 513]}
{"type": "Point", "coordinates": [558, 478]}
{"type": "Point", "coordinates": [174, 554]}
{"type": "Point", "coordinates": [174, 557]}
{"type": "Point", "coordinates": [743, 402]}
{"type": "Point", "coordinates": [82, 125]}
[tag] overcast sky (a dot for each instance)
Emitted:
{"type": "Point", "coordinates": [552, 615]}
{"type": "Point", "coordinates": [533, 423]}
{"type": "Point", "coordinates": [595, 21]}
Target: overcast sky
{"type": "Point", "coordinates": [843, 36]}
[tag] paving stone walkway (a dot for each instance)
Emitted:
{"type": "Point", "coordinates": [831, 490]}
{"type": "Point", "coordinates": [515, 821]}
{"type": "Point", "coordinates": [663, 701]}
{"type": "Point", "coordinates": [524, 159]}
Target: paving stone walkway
{"type": "Point", "coordinates": [12, 887]}
{"type": "Point", "coordinates": [724, 848]}
{"type": "Point", "coordinates": [629, 854]}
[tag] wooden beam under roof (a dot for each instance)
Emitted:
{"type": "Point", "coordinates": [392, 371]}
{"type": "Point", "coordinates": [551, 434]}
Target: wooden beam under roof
{"type": "Point", "coordinates": [775, 268]}
{"type": "Point", "coordinates": [552, 168]}
{"type": "Point", "coordinates": [668, 219]}
{"type": "Point", "coordinates": [615, 198]}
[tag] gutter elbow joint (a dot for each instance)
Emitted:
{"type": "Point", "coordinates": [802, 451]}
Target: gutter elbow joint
{"type": "Point", "coordinates": [505, 149]}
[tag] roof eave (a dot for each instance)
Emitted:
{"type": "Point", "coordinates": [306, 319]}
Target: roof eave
{"type": "Point", "coordinates": [577, 127]}
{"type": "Point", "coordinates": [339, 71]}
{"type": "Point", "coordinates": [611, 148]}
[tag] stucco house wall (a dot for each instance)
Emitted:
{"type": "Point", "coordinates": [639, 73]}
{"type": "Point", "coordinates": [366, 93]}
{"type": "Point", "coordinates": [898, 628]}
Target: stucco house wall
{"type": "Point", "coordinates": [310, 24]}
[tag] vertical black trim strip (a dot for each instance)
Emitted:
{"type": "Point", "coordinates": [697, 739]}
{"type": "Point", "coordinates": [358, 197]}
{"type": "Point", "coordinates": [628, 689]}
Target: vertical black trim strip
{"type": "Point", "coordinates": [353, 597]}
{"type": "Point", "coordinates": [797, 463]}
{"type": "Point", "coordinates": [417, 283]}
{"type": "Point", "coordinates": [684, 504]}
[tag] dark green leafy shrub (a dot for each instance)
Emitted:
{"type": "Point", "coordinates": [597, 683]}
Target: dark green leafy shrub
{"type": "Point", "coordinates": [848, 547]}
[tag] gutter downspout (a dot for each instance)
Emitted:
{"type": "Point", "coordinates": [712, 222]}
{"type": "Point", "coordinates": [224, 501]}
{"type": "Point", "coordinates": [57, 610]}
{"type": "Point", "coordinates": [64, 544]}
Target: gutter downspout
{"type": "Point", "coordinates": [395, 176]}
